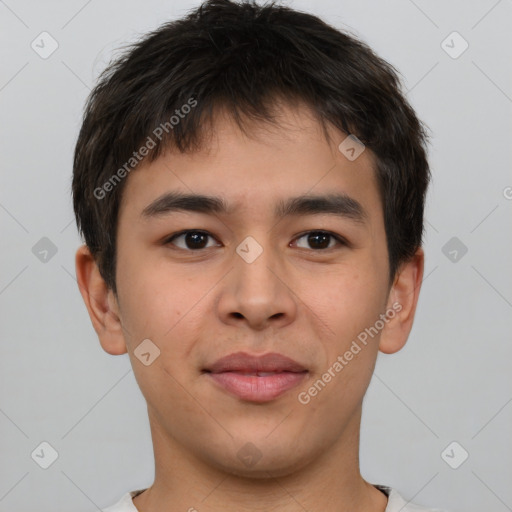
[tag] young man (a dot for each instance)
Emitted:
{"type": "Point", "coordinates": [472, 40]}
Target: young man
{"type": "Point", "coordinates": [250, 185]}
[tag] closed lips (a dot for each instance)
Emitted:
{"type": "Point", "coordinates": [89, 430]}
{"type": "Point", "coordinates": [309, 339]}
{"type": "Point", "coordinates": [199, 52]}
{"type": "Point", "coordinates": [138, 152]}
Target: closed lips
{"type": "Point", "coordinates": [255, 365]}
{"type": "Point", "coordinates": [255, 378]}
{"type": "Point", "coordinates": [258, 374]}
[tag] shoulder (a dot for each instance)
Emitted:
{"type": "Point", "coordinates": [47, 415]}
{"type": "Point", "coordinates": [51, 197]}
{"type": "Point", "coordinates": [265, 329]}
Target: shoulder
{"type": "Point", "coordinates": [125, 504]}
{"type": "Point", "coordinates": [396, 503]}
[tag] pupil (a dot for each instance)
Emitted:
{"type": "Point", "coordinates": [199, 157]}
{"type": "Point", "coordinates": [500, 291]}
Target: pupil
{"type": "Point", "coordinates": [194, 239]}
{"type": "Point", "coordinates": [325, 237]}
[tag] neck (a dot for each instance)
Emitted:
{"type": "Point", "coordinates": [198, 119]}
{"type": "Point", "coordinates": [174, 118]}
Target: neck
{"type": "Point", "coordinates": [331, 483]}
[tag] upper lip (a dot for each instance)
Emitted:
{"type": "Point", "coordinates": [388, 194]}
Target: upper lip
{"type": "Point", "coordinates": [244, 362]}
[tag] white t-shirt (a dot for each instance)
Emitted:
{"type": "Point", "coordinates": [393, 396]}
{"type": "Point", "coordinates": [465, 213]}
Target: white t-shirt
{"type": "Point", "coordinates": [395, 502]}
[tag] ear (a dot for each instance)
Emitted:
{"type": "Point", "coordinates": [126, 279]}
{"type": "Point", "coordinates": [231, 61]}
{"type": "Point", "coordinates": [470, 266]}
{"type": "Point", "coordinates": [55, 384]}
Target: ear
{"type": "Point", "coordinates": [101, 303]}
{"type": "Point", "coordinates": [402, 299]}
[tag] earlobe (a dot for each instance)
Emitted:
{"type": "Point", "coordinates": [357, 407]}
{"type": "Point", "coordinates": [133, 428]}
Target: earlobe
{"type": "Point", "coordinates": [403, 299]}
{"type": "Point", "coordinates": [100, 302]}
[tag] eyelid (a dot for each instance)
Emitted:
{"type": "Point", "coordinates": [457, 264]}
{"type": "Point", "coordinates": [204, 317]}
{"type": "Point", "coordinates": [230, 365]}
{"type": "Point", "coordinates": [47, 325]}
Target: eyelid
{"type": "Point", "coordinates": [341, 240]}
{"type": "Point", "coordinates": [170, 238]}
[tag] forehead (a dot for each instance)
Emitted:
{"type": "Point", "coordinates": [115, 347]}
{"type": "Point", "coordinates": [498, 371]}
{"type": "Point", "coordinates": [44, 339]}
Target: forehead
{"type": "Point", "coordinates": [264, 166]}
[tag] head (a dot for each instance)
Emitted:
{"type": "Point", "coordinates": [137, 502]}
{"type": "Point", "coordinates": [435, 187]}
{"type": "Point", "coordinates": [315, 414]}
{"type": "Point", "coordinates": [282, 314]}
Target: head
{"type": "Point", "coordinates": [251, 105]}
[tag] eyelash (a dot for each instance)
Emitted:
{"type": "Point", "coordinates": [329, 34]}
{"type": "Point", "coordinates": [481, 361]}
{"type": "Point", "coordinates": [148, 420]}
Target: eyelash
{"type": "Point", "coordinates": [341, 241]}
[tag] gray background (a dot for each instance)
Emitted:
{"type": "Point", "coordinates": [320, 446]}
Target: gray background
{"type": "Point", "coordinates": [450, 383]}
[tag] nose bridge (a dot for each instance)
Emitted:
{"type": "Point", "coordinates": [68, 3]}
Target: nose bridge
{"type": "Point", "coordinates": [253, 261]}
{"type": "Point", "coordinates": [254, 291]}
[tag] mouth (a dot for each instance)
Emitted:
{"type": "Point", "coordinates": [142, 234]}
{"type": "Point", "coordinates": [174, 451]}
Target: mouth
{"type": "Point", "coordinates": [256, 378]}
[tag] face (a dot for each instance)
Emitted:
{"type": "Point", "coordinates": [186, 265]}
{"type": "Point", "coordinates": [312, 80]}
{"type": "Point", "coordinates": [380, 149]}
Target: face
{"type": "Point", "coordinates": [248, 279]}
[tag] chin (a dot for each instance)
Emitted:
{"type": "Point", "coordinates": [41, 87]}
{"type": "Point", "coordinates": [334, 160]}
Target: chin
{"type": "Point", "coordinates": [249, 461]}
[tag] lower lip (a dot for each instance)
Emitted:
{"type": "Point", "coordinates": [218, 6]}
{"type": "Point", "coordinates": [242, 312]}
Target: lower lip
{"type": "Point", "coordinates": [257, 389]}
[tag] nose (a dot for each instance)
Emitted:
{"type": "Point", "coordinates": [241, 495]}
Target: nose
{"type": "Point", "coordinates": [256, 292]}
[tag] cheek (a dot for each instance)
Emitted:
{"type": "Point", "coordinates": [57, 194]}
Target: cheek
{"type": "Point", "coordinates": [163, 305]}
{"type": "Point", "coordinates": [352, 304]}
{"type": "Point", "coordinates": [150, 299]}
{"type": "Point", "coordinates": [350, 301]}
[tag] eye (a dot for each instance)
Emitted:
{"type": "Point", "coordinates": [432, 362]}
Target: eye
{"type": "Point", "coordinates": [195, 240]}
{"type": "Point", "coordinates": [321, 240]}
{"type": "Point", "coordinates": [192, 239]}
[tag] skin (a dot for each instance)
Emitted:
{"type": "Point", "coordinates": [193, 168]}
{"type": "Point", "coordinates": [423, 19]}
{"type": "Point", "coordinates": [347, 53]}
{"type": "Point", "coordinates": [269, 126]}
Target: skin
{"type": "Point", "coordinates": [305, 302]}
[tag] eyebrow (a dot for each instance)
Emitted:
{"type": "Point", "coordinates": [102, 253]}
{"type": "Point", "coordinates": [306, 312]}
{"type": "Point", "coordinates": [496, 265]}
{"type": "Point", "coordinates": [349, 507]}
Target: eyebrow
{"type": "Point", "coordinates": [340, 205]}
